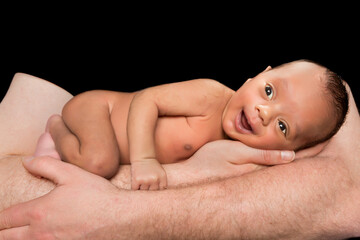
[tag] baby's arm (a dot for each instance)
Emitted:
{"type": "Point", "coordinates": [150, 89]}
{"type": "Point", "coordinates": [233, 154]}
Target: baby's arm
{"type": "Point", "coordinates": [189, 98]}
{"type": "Point", "coordinates": [147, 173]}
{"type": "Point", "coordinates": [88, 140]}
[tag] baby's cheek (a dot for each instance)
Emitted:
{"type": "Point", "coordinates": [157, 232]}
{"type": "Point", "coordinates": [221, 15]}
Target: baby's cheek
{"type": "Point", "coordinates": [229, 129]}
{"type": "Point", "coordinates": [262, 142]}
{"type": "Point", "coordinates": [228, 125]}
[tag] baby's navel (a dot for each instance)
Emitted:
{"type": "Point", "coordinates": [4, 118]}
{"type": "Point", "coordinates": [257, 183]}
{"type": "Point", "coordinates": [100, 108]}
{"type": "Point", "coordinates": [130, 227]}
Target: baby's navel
{"type": "Point", "coordinates": [188, 147]}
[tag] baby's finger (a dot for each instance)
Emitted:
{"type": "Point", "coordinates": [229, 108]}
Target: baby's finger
{"type": "Point", "coordinates": [144, 187]}
{"type": "Point", "coordinates": [154, 187]}
{"type": "Point", "coordinates": [135, 185]}
{"type": "Point", "coordinates": [163, 183]}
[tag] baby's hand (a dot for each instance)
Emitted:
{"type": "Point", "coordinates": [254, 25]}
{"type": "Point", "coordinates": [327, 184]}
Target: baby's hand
{"type": "Point", "coordinates": [148, 175]}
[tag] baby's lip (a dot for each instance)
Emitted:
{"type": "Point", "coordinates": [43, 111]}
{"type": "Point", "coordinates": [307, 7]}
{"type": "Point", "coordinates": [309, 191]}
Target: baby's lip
{"type": "Point", "coordinates": [242, 123]}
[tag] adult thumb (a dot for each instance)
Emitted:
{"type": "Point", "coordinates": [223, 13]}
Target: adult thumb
{"type": "Point", "coordinates": [262, 156]}
{"type": "Point", "coordinates": [47, 167]}
{"type": "Point", "coordinates": [273, 157]}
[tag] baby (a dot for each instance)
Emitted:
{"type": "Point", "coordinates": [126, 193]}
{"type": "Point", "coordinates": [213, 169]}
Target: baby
{"type": "Point", "coordinates": [293, 106]}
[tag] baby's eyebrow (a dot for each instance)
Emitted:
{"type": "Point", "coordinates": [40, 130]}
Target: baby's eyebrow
{"type": "Point", "coordinates": [284, 83]}
{"type": "Point", "coordinates": [281, 83]}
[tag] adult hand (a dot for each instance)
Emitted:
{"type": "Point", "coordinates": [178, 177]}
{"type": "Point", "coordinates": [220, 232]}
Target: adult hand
{"type": "Point", "coordinates": [312, 151]}
{"type": "Point", "coordinates": [77, 205]}
{"type": "Point", "coordinates": [226, 158]}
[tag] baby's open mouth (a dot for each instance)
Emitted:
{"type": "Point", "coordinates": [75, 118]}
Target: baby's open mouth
{"type": "Point", "coordinates": [245, 122]}
{"type": "Point", "coordinates": [242, 124]}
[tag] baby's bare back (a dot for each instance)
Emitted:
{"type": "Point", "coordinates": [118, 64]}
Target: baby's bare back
{"type": "Point", "coordinates": [176, 138]}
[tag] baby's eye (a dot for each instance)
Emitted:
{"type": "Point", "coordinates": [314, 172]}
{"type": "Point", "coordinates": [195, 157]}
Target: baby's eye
{"type": "Point", "coordinates": [269, 91]}
{"type": "Point", "coordinates": [283, 127]}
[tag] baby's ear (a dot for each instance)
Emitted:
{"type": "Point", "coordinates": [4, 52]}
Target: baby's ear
{"type": "Point", "coordinates": [248, 80]}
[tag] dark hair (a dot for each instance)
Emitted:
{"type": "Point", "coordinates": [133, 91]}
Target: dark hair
{"type": "Point", "coordinates": [339, 101]}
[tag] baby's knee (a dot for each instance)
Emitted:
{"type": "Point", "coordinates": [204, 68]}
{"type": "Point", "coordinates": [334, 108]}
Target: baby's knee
{"type": "Point", "coordinates": [104, 165]}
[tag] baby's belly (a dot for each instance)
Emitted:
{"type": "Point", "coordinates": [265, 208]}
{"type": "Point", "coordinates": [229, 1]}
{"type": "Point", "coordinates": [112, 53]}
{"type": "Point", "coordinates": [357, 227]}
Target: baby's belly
{"type": "Point", "coordinates": [176, 138]}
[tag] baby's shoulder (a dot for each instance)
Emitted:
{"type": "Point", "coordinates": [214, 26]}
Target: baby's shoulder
{"type": "Point", "coordinates": [213, 87]}
{"type": "Point", "coordinates": [208, 82]}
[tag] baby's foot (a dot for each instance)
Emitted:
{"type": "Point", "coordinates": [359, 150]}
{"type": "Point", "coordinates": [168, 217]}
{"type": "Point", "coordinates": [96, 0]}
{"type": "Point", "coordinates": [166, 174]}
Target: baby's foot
{"type": "Point", "coordinates": [52, 119]}
{"type": "Point", "coordinates": [46, 147]}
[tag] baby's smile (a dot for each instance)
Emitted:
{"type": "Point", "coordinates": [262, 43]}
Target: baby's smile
{"type": "Point", "coordinates": [242, 123]}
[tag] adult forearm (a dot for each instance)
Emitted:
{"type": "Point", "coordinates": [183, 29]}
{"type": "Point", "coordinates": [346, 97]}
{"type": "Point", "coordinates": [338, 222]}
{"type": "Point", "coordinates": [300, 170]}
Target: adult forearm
{"type": "Point", "coordinates": [307, 199]}
{"type": "Point", "coordinates": [193, 171]}
{"type": "Point", "coordinates": [304, 200]}
{"type": "Point", "coordinates": [178, 175]}
{"type": "Point", "coordinates": [17, 185]}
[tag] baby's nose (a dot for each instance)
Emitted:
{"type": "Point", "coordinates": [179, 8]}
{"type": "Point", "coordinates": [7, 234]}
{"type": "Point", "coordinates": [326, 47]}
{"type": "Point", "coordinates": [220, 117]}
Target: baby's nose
{"type": "Point", "coordinates": [264, 112]}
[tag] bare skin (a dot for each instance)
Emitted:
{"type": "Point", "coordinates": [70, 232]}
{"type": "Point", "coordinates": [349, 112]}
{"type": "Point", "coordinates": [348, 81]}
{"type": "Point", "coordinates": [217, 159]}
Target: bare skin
{"type": "Point", "coordinates": [312, 198]}
{"type": "Point", "coordinates": [99, 130]}
{"type": "Point", "coordinates": [29, 102]}
{"type": "Point", "coordinates": [23, 115]}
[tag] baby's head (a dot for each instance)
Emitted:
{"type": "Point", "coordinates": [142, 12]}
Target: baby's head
{"type": "Point", "coordinates": [292, 106]}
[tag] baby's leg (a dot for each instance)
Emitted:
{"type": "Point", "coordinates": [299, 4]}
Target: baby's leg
{"type": "Point", "coordinates": [97, 156]}
{"type": "Point", "coordinates": [65, 142]}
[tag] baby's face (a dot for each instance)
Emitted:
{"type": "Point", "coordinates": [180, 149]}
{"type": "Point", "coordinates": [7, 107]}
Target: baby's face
{"type": "Point", "coordinates": [281, 108]}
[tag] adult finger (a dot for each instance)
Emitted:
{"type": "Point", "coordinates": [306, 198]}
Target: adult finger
{"type": "Point", "coordinates": [265, 157]}
{"type": "Point", "coordinates": [15, 216]}
{"type": "Point", "coordinates": [312, 151]}
{"type": "Point", "coordinates": [50, 168]}
{"type": "Point", "coordinates": [18, 233]}
{"type": "Point", "coordinates": [273, 157]}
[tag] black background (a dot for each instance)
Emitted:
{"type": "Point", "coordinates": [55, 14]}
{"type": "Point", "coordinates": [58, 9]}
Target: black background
{"type": "Point", "coordinates": [127, 48]}
{"type": "Point", "coordinates": [126, 53]}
